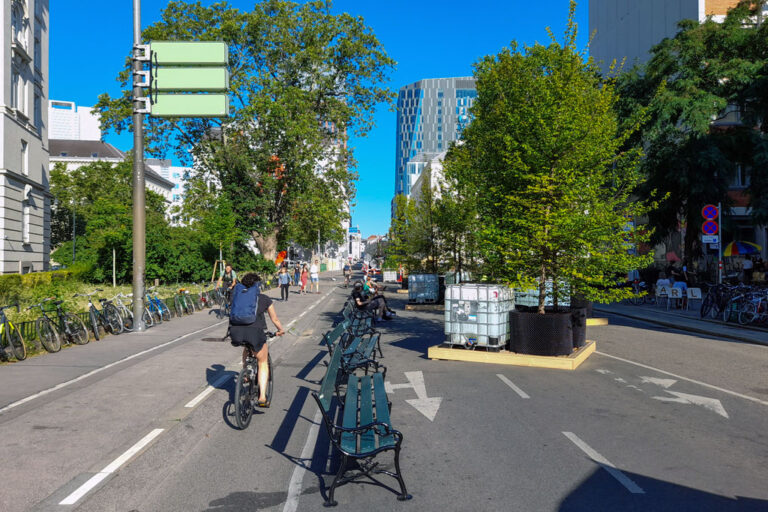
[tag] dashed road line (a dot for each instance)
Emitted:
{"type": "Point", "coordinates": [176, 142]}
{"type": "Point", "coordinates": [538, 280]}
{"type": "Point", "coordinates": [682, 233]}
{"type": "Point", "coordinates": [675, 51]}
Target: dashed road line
{"type": "Point", "coordinates": [98, 370]}
{"type": "Point", "coordinates": [511, 384]}
{"type": "Point", "coordinates": [110, 468]}
{"type": "Point", "coordinates": [294, 487]}
{"type": "Point", "coordinates": [605, 464]}
{"type": "Point", "coordinates": [207, 391]}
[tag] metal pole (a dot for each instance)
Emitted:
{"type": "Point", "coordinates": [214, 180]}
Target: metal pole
{"type": "Point", "coordinates": [720, 244]}
{"type": "Point", "coordinates": [74, 234]}
{"type": "Point", "coordinates": [139, 236]}
{"type": "Point", "coordinates": [114, 269]}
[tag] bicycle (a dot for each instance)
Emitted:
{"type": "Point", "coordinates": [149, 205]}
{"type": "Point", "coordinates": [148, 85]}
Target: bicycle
{"type": "Point", "coordinates": [157, 307]}
{"type": "Point", "coordinates": [146, 316]}
{"type": "Point", "coordinates": [125, 313]}
{"type": "Point", "coordinates": [247, 386]}
{"type": "Point", "coordinates": [67, 327]}
{"type": "Point", "coordinates": [10, 336]}
{"type": "Point", "coordinates": [183, 303]}
{"type": "Point", "coordinates": [108, 317]}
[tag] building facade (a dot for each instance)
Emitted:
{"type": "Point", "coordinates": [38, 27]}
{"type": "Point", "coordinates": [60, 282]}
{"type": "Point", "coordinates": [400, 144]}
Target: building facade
{"type": "Point", "coordinates": [67, 121]}
{"type": "Point", "coordinates": [178, 176]}
{"type": "Point", "coordinates": [25, 201]}
{"type": "Point", "coordinates": [430, 115]}
{"type": "Point", "coordinates": [626, 30]}
{"type": "Point", "coordinates": [434, 166]}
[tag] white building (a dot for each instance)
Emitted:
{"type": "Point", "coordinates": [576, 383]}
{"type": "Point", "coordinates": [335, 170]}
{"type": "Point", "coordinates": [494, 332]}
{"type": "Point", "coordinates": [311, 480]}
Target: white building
{"type": "Point", "coordinates": [434, 164]}
{"type": "Point", "coordinates": [628, 29]}
{"type": "Point", "coordinates": [176, 175]}
{"type": "Point", "coordinates": [356, 247]}
{"type": "Point", "coordinates": [67, 121]}
{"type": "Point", "coordinates": [25, 201]}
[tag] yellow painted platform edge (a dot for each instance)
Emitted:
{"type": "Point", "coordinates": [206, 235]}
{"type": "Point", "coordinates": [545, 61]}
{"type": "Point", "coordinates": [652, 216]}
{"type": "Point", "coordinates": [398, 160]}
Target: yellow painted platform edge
{"type": "Point", "coordinates": [479, 356]}
{"type": "Point", "coordinates": [402, 291]}
{"type": "Point", "coordinates": [591, 322]}
{"type": "Point", "coordinates": [424, 307]}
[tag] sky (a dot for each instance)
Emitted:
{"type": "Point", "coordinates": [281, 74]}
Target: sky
{"type": "Point", "coordinates": [90, 39]}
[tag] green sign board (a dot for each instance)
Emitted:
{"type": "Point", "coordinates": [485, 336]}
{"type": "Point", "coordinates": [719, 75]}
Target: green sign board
{"type": "Point", "coordinates": [189, 53]}
{"type": "Point", "coordinates": [191, 79]}
{"type": "Point", "coordinates": [190, 105]}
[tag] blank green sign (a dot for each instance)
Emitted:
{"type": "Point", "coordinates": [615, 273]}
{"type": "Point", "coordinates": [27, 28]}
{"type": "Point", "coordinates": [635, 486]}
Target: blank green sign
{"type": "Point", "coordinates": [189, 53]}
{"type": "Point", "coordinates": [191, 79]}
{"type": "Point", "coordinates": [190, 105]}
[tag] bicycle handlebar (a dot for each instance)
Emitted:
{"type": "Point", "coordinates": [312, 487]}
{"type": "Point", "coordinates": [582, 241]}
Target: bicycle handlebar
{"type": "Point", "coordinates": [15, 305]}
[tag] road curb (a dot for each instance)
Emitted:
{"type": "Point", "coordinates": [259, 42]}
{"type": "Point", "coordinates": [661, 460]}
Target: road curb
{"type": "Point", "coordinates": [687, 328]}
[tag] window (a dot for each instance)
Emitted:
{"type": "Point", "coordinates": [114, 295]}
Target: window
{"type": "Point", "coordinates": [38, 56]}
{"type": "Point", "coordinates": [38, 111]}
{"type": "Point", "coordinates": [24, 158]}
{"type": "Point", "coordinates": [17, 24]}
{"type": "Point", "coordinates": [15, 80]}
{"type": "Point", "coordinates": [25, 214]}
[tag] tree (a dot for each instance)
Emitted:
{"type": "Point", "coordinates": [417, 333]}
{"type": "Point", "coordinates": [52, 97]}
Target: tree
{"type": "Point", "coordinates": [695, 87]}
{"type": "Point", "coordinates": [301, 80]}
{"type": "Point", "coordinates": [551, 185]}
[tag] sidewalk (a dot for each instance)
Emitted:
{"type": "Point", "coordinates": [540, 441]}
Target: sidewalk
{"type": "Point", "coordinates": [687, 321]}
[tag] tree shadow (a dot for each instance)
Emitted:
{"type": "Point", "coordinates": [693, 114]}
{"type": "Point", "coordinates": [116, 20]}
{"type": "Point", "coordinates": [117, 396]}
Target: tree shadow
{"type": "Point", "coordinates": [601, 492]}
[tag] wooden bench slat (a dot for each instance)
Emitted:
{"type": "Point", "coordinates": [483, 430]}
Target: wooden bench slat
{"type": "Point", "coordinates": [382, 408]}
{"type": "Point", "coordinates": [328, 386]}
{"type": "Point", "coordinates": [348, 439]}
{"type": "Point", "coordinates": [367, 439]}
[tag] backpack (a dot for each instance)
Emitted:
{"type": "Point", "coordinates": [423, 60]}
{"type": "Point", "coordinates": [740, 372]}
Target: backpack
{"type": "Point", "coordinates": [245, 303]}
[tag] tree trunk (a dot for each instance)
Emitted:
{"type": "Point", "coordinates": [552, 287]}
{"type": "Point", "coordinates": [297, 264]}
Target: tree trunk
{"type": "Point", "coordinates": [267, 244]}
{"type": "Point", "coordinates": [543, 290]}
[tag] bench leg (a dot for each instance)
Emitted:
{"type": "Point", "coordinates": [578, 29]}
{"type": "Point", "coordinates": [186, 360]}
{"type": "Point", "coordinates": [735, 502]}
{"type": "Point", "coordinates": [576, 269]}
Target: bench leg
{"type": "Point", "coordinates": [378, 344]}
{"type": "Point", "coordinates": [403, 492]}
{"type": "Point", "coordinates": [342, 467]}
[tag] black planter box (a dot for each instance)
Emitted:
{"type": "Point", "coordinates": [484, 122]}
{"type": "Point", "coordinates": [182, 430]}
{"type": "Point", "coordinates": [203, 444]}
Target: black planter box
{"type": "Point", "coordinates": [550, 334]}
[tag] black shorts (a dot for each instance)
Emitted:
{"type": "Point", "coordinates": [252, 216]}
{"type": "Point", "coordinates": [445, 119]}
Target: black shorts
{"type": "Point", "coordinates": [250, 335]}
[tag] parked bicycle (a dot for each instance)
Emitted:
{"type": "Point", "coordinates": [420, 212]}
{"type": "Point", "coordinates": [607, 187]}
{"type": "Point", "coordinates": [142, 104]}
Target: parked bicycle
{"type": "Point", "coordinates": [125, 312]}
{"type": "Point", "coordinates": [247, 387]}
{"type": "Point", "coordinates": [107, 318]}
{"type": "Point", "coordinates": [157, 307]}
{"type": "Point", "coordinates": [64, 327]}
{"type": "Point", "coordinates": [183, 303]}
{"type": "Point", "coordinates": [11, 340]}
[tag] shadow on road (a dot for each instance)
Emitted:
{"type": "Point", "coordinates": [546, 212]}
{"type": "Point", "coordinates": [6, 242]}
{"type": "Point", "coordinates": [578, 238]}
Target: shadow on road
{"type": "Point", "coordinates": [601, 492]}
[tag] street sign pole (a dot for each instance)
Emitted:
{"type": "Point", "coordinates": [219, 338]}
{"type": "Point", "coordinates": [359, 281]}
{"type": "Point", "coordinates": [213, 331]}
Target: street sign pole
{"type": "Point", "coordinates": [139, 236]}
{"type": "Point", "coordinates": [720, 245]}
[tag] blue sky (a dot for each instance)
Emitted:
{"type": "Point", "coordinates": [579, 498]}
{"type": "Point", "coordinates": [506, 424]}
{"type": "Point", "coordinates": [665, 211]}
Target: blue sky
{"type": "Point", "coordinates": [89, 40]}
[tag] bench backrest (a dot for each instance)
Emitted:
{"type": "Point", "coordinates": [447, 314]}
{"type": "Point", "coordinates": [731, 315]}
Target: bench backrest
{"type": "Point", "coordinates": [331, 337]}
{"type": "Point", "coordinates": [328, 386]}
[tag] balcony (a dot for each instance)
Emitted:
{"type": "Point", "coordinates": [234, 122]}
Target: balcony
{"type": "Point", "coordinates": [20, 49]}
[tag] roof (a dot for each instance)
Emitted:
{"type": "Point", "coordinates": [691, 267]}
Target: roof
{"type": "Point", "coordinates": [83, 149]}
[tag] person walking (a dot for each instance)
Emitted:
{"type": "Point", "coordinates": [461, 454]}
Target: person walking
{"type": "Point", "coordinates": [296, 274]}
{"type": "Point", "coordinates": [304, 278]}
{"type": "Point", "coordinates": [284, 280]}
{"type": "Point", "coordinates": [314, 275]}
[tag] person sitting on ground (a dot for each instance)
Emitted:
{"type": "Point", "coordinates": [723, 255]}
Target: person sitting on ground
{"type": "Point", "coordinates": [375, 304]}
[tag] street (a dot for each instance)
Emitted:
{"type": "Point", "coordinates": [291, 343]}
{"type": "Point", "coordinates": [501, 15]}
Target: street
{"type": "Point", "coordinates": [656, 419]}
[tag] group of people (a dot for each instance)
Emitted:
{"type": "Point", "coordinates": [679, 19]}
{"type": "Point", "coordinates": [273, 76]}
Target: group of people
{"type": "Point", "coordinates": [301, 276]}
{"type": "Point", "coordinates": [368, 296]}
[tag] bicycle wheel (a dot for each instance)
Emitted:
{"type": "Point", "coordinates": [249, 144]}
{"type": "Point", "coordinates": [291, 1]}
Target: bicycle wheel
{"type": "Point", "coordinates": [747, 314]}
{"type": "Point", "coordinates": [94, 320]}
{"type": "Point", "coordinates": [146, 317]}
{"type": "Point", "coordinates": [127, 316]}
{"type": "Point", "coordinates": [13, 336]}
{"type": "Point", "coordinates": [189, 307]}
{"type": "Point", "coordinates": [114, 320]}
{"type": "Point", "coordinates": [76, 331]}
{"type": "Point", "coordinates": [244, 392]}
{"type": "Point", "coordinates": [706, 305]}
{"type": "Point", "coordinates": [157, 317]}
{"type": "Point", "coordinates": [164, 311]}
{"type": "Point", "coordinates": [178, 306]}
{"type": "Point", "coordinates": [48, 335]}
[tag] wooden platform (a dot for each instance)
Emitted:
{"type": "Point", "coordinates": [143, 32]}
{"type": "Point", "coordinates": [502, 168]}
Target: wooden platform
{"type": "Point", "coordinates": [400, 290]}
{"type": "Point", "coordinates": [592, 322]}
{"type": "Point", "coordinates": [504, 357]}
{"type": "Point", "coordinates": [424, 307]}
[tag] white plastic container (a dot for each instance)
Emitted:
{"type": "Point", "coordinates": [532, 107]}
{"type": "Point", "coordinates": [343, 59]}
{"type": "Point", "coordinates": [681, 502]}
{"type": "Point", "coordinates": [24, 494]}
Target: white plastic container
{"type": "Point", "coordinates": [423, 288]}
{"type": "Point", "coordinates": [478, 314]}
{"type": "Point", "coordinates": [390, 276]}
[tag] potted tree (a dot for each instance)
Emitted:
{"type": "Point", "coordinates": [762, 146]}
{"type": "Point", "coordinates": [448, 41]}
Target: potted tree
{"type": "Point", "coordinates": [548, 162]}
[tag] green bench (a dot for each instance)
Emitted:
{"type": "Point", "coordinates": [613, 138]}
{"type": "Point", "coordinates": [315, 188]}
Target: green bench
{"type": "Point", "coordinates": [364, 429]}
{"type": "Point", "coordinates": [357, 351]}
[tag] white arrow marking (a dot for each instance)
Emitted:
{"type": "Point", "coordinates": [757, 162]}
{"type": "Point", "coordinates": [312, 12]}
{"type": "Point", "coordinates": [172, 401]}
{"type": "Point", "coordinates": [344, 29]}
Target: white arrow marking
{"type": "Point", "coordinates": [604, 372]}
{"type": "Point", "coordinates": [427, 406]}
{"type": "Point", "coordinates": [712, 404]}
{"type": "Point", "coordinates": [665, 383]}
{"type": "Point", "coordinates": [619, 379]}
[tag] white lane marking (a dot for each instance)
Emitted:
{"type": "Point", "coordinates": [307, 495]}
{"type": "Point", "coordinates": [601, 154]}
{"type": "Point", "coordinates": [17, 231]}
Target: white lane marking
{"type": "Point", "coordinates": [710, 386]}
{"type": "Point", "coordinates": [712, 404]}
{"type": "Point", "coordinates": [207, 391]}
{"type": "Point", "coordinates": [111, 468]}
{"type": "Point", "coordinates": [665, 383]}
{"type": "Point", "coordinates": [98, 370]}
{"type": "Point", "coordinates": [294, 487]}
{"type": "Point", "coordinates": [511, 384]}
{"type": "Point", "coordinates": [605, 464]}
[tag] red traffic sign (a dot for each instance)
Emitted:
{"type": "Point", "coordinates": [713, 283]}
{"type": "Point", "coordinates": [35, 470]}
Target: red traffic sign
{"type": "Point", "coordinates": [709, 227]}
{"type": "Point", "coordinates": [710, 212]}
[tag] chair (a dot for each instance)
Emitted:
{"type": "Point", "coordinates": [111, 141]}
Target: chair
{"type": "Point", "coordinates": [676, 294]}
{"type": "Point", "coordinates": [662, 293]}
{"type": "Point", "coordinates": [693, 294]}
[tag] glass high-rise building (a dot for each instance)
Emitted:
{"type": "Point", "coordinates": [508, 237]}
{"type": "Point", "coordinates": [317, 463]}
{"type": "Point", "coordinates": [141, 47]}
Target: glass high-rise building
{"type": "Point", "coordinates": [430, 114]}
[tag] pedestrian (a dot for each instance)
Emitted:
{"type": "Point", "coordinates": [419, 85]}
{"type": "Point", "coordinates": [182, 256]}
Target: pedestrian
{"type": "Point", "coordinates": [284, 280]}
{"type": "Point", "coordinates": [314, 275]}
{"type": "Point", "coordinates": [304, 278]}
{"type": "Point", "coordinates": [748, 267]}
{"type": "Point", "coordinates": [296, 274]}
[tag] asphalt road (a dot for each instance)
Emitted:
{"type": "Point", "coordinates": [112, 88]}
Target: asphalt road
{"type": "Point", "coordinates": [655, 420]}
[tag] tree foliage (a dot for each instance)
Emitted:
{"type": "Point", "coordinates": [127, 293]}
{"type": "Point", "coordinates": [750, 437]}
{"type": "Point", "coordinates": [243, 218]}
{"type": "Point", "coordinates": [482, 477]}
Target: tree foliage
{"type": "Point", "coordinates": [546, 170]}
{"type": "Point", "coordinates": [301, 80]}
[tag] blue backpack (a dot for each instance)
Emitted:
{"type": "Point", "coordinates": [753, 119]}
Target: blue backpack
{"type": "Point", "coordinates": [244, 304]}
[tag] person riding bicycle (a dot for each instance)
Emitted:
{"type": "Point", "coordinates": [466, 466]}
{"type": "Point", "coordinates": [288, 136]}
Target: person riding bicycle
{"type": "Point", "coordinates": [228, 280]}
{"type": "Point", "coordinates": [347, 271]}
{"type": "Point", "coordinates": [253, 336]}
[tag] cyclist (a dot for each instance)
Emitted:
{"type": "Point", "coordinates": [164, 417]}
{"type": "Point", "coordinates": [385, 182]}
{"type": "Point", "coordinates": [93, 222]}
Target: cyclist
{"type": "Point", "coordinates": [228, 280]}
{"type": "Point", "coordinates": [253, 336]}
{"type": "Point", "coordinates": [347, 270]}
